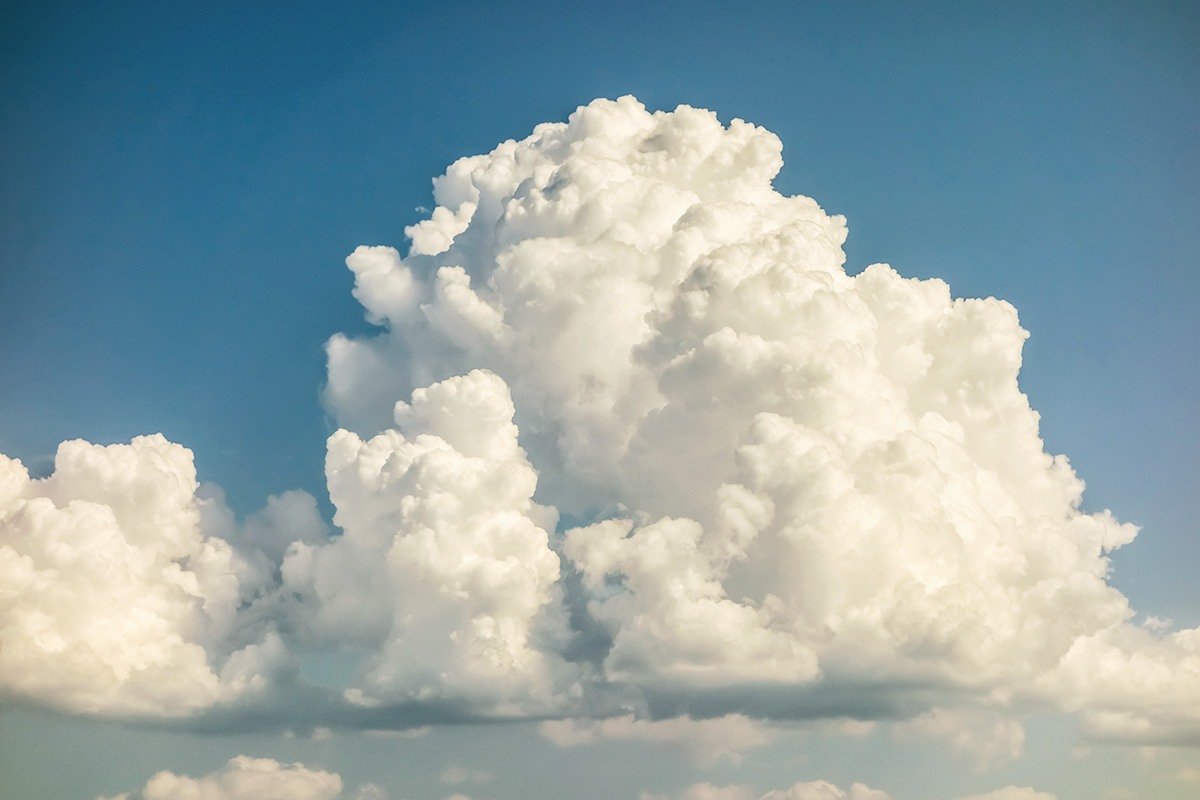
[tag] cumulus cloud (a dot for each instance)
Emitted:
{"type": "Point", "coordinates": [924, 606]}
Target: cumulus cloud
{"type": "Point", "coordinates": [824, 790]}
{"type": "Point", "coordinates": [246, 778]}
{"type": "Point", "coordinates": [706, 791]}
{"type": "Point", "coordinates": [706, 741]}
{"type": "Point", "coordinates": [807, 478]}
{"type": "Point", "coordinates": [809, 790]}
{"type": "Point", "coordinates": [1013, 793]}
{"type": "Point", "coordinates": [265, 536]}
{"type": "Point", "coordinates": [795, 491]}
{"type": "Point", "coordinates": [1131, 685]}
{"type": "Point", "coordinates": [112, 599]}
{"type": "Point", "coordinates": [444, 572]}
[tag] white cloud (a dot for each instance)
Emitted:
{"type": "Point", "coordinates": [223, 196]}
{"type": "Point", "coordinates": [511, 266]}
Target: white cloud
{"type": "Point", "coordinates": [246, 778]}
{"type": "Point", "coordinates": [1012, 793]}
{"type": "Point", "coordinates": [287, 517]}
{"type": "Point", "coordinates": [815, 493]}
{"type": "Point", "coordinates": [444, 572]}
{"type": "Point", "coordinates": [112, 600]}
{"type": "Point", "coordinates": [827, 478]}
{"type": "Point", "coordinates": [805, 790]}
{"type": "Point", "coordinates": [405, 733]}
{"type": "Point", "coordinates": [706, 791]}
{"type": "Point", "coordinates": [706, 741]}
{"type": "Point", "coordinates": [1132, 685]}
{"type": "Point", "coordinates": [824, 790]}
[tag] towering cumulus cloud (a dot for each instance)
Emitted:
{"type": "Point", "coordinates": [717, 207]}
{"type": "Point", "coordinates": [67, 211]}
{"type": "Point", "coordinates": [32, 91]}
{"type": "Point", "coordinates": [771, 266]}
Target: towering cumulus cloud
{"type": "Point", "coordinates": [112, 600]}
{"type": "Point", "coordinates": [795, 492]}
{"type": "Point", "coordinates": [806, 478]}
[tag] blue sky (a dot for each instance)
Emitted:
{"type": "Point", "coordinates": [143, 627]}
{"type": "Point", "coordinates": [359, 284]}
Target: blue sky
{"type": "Point", "coordinates": [179, 188]}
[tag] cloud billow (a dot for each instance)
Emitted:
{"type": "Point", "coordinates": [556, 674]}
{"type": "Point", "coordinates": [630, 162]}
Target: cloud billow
{"type": "Point", "coordinates": [806, 492]}
{"type": "Point", "coordinates": [247, 778]}
{"type": "Point", "coordinates": [820, 479]}
{"type": "Point", "coordinates": [113, 600]}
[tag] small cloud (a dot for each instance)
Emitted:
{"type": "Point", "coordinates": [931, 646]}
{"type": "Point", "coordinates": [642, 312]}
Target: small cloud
{"type": "Point", "coordinates": [1013, 793]}
{"type": "Point", "coordinates": [246, 778]}
{"type": "Point", "coordinates": [705, 791]}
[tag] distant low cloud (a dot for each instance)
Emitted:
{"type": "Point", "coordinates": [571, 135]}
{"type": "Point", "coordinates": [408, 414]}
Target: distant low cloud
{"type": "Point", "coordinates": [246, 778]}
{"type": "Point", "coordinates": [824, 790]}
{"type": "Point", "coordinates": [810, 790]}
{"type": "Point", "coordinates": [1013, 793]}
{"type": "Point", "coordinates": [705, 791]}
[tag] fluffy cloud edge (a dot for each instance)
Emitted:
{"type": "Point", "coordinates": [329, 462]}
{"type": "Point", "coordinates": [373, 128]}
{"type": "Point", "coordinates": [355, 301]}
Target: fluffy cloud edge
{"type": "Point", "coordinates": [825, 790]}
{"type": "Point", "coordinates": [248, 778]}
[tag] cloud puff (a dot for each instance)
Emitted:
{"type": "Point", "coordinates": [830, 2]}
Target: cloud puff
{"type": "Point", "coordinates": [706, 791]}
{"type": "Point", "coordinates": [1131, 685]}
{"type": "Point", "coordinates": [1012, 793]}
{"type": "Point", "coordinates": [246, 778]}
{"type": "Point", "coordinates": [706, 741]}
{"type": "Point", "coordinates": [264, 537]}
{"type": "Point", "coordinates": [112, 600]}
{"type": "Point", "coordinates": [824, 790]}
{"type": "Point", "coordinates": [810, 790]}
{"type": "Point", "coordinates": [810, 478]}
{"type": "Point", "coordinates": [444, 572]}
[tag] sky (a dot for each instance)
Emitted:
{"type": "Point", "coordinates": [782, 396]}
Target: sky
{"type": "Point", "coordinates": [180, 190]}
